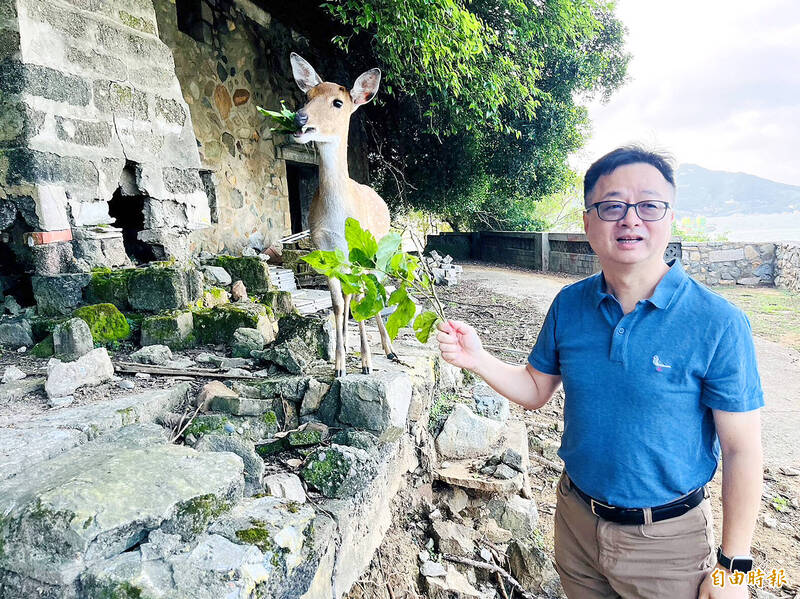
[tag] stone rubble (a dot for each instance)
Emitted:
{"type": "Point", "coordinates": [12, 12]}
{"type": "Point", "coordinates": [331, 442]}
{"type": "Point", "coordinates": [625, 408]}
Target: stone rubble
{"type": "Point", "coordinates": [442, 268]}
{"type": "Point", "coordinates": [91, 369]}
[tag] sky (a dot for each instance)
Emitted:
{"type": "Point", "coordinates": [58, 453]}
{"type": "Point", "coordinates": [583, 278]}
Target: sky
{"type": "Point", "coordinates": [715, 83]}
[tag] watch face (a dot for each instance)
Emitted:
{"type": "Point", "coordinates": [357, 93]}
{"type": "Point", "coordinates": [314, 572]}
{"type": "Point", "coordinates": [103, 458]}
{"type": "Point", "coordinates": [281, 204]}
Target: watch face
{"type": "Point", "coordinates": [741, 564]}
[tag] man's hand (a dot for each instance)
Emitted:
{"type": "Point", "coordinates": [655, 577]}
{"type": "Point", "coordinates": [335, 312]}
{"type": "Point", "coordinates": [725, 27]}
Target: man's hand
{"type": "Point", "coordinates": [729, 591]}
{"type": "Point", "coordinates": [459, 344]}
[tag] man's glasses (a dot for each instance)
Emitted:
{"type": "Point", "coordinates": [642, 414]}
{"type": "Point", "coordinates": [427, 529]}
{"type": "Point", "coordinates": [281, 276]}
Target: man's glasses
{"type": "Point", "coordinates": [612, 210]}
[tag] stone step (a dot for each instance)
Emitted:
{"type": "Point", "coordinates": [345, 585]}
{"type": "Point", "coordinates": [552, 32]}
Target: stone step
{"type": "Point", "coordinates": [46, 436]}
{"type": "Point", "coordinates": [96, 501]}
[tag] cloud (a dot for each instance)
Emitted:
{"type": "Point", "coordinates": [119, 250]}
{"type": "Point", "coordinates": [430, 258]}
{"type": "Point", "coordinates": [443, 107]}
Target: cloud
{"type": "Point", "coordinates": [714, 82]}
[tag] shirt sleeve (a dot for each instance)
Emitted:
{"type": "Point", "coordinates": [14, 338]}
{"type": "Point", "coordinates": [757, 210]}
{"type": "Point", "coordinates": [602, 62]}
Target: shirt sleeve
{"type": "Point", "coordinates": [732, 382]}
{"type": "Point", "coordinates": [544, 355]}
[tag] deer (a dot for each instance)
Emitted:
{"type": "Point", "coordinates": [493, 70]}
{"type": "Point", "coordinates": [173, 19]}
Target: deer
{"type": "Point", "coordinates": [325, 120]}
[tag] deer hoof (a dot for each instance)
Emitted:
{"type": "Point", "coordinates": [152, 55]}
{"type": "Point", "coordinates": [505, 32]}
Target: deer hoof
{"type": "Point", "coordinates": [366, 370]}
{"type": "Point", "coordinates": [393, 357]}
{"type": "Point", "coordinates": [340, 373]}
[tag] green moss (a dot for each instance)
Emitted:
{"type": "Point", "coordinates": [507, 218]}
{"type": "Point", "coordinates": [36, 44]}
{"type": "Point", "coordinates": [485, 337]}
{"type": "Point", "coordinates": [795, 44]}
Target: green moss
{"type": "Point", "coordinates": [203, 425]}
{"type": "Point", "coordinates": [43, 326]}
{"type": "Point", "coordinates": [110, 287]}
{"type": "Point", "coordinates": [217, 324]}
{"type": "Point", "coordinates": [326, 469]}
{"type": "Point", "coordinates": [195, 514]}
{"type": "Point", "coordinates": [136, 22]}
{"type": "Point", "coordinates": [307, 437]}
{"type": "Point", "coordinates": [117, 590]}
{"type": "Point", "coordinates": [257, 535]}
{"type": "Point", "coordinates": [270, 418]}
{"type": "Point", "coordinates": [174, 329]}
{"type": "Point", "coordinates": [251, 270]}
{"type": "Point", "coordinates": [45, 348]}
{"type": "Point", "coordinates": [105, 321]}
{"type": "Point", "coordinates": [280, 302]}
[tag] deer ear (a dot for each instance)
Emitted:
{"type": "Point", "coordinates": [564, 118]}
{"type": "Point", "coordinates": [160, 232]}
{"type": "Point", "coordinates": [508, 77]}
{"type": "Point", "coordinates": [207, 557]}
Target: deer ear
{"type": "Point", "coordinates": [365, 87]}
{"type": "Point", "coordinates": [304, 74]}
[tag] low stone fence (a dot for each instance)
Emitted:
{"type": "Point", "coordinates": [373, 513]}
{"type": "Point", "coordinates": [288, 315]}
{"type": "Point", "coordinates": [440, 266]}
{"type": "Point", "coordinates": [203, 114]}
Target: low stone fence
{"type": "Point", "coordinates": [711, 263]}
{"type": "Point", "coordinates": [787, 266]}
{"type": "Point", "coordinates": [729, 263]}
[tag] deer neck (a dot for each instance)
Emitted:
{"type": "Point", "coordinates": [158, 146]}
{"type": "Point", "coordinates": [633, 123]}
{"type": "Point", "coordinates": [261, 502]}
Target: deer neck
{"type": "Point", "coordinates": [333, 172]}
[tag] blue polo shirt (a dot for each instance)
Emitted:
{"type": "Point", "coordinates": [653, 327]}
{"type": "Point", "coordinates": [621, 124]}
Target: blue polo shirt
{"type": "Point", "coordinates": [640, 387]}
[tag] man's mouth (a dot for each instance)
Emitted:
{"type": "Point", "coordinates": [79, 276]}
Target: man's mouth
{"type": "Point", "coordinates": [629, 239]}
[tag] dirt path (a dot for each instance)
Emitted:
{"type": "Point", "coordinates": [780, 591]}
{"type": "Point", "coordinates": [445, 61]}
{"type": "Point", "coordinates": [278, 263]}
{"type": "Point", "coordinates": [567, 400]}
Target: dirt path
{"type": "Point", "coordinates": [497, 299]}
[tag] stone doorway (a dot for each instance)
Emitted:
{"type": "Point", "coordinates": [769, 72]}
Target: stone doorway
{"type": "Point", "coordinates": [127, 206]}
{"type": "Point", "coordinates": [15, 270]}
{"type": "Point", "coordinates": [302, 180]}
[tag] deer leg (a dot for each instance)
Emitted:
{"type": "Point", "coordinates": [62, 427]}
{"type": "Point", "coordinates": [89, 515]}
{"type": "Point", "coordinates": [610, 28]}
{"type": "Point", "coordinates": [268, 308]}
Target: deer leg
{"type": "Point", "coordinates": [337, 299]}
{"type": "Point", "coordinates": [385, 341]}
{"type": "Point", "coordinates": [366, 356]}
{"type": "Point", "coordinates": [347, 298]}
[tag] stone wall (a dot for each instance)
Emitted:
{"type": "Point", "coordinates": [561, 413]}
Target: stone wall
{"type": "Point", "coordinates": [730, 263]}
{"type": "Point", "coordinates": [787, 266]}
{"type": "Point", "coordinates": [91, 105]}
{"type": "Point", "coordinates": [239, 62]}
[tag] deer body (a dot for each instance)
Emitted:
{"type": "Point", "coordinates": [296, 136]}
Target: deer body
{"type": "Point", "coordinates": [325, 119]}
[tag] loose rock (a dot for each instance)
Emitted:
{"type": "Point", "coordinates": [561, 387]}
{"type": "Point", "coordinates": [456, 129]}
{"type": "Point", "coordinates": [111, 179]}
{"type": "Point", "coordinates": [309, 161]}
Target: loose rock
{"type": "Point", "coordinates": [490, 403]}
{"type": "Point", "coordinates": [152, 354]}
{"type": "Point", "coordinates": [212, 391]}
{"type": "Point", "coordinates": [12, 374]}
{"type": "Point", "coordinates": [286, 485]}
{"type": "Point", "coordinates": [91, 369]}
{"type": "Point", "coordinates": [72, 339]}
{"type": "Point", "coordinates": [246, 340]}
{"type": "Point", "coordinates": [466, 435]}
{"type": "Point", "coordinates": [239, 292]}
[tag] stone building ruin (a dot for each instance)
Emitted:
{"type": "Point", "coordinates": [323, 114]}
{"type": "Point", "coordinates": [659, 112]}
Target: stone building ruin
{"type": "Point", "coordinates": [129, 133]}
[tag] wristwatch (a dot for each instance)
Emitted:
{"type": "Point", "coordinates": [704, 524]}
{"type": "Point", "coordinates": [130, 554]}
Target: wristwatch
{"type": "Point", "coordinates": [737, 563]}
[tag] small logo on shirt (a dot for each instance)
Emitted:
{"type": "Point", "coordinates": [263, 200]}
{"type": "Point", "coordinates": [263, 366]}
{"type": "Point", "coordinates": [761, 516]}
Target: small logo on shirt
{"type": "Point", "coordinates": [658, 364]}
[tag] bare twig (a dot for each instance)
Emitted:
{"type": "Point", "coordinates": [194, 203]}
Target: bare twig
{"type": "Point", "coordinates": [134, 367]}
{"type": "Point", "coordinates": [491, 568]}
{"type": "Point", "coordinates": [544, 461]}
{"type": "Point", "coordinates": [185, 426]}
{"type": "Point", "coordinates": [501, 585]}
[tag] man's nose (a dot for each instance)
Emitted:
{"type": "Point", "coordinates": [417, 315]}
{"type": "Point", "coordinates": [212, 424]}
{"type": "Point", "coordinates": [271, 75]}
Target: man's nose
{"type": "Point", "coordinates": [301, 118]}
{"type": "Point", "coordinates": [631, 217]}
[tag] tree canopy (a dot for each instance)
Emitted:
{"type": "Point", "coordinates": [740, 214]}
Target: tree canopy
{"type": "Point", "coordinates": [483, 100]}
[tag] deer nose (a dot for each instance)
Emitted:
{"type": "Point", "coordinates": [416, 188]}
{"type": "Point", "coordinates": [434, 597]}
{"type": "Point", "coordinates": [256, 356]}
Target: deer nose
{"type": "Point", "coordinates": [301, 118]}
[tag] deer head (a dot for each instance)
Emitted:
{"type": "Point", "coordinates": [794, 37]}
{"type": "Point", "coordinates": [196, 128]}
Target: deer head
{"type": "Point", "coordinates": [325, 118]}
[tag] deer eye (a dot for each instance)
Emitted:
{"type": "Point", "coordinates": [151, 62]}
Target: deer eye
{"type": "Point", "coordinates": [337, 103]}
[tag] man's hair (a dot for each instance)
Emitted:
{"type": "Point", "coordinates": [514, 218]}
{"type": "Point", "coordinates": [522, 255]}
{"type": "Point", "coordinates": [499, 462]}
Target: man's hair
{"type": "Point", "coordinates": [632, 154]}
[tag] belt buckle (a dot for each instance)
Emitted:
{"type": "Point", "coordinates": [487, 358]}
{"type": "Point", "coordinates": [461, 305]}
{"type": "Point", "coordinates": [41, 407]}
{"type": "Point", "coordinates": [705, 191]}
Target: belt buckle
{"type": "Point", "coordinates": [592, 503]}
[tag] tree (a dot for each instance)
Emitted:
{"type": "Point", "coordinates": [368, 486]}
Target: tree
{"type": "Point", "coordinates": [482, 100]}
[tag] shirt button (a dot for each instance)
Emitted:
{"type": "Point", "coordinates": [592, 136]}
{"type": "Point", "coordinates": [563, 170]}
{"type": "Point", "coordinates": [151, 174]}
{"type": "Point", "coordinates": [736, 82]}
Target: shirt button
{"type": "Point", "coordinates": [621, 331]}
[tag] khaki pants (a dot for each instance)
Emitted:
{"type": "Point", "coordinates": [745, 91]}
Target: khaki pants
{"type": "Point", "coordinates": [598, 559]}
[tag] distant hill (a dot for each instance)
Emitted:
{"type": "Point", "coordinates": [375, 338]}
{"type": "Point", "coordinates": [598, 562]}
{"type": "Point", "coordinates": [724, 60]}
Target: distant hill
{"type": "Point", "coordinates": [703, 192]}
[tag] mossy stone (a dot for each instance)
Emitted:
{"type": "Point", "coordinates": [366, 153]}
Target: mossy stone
{"type": "Point", "coordinates": [105, 321]}
{"type": "Point", "coordinates": [45, 348]}
{"type": "Point", "coordinates": [218, 324]}
{"type": "Point", "coordinates": [164, 287]}
{"type": "Point", "coordinates": [173, 329]}
{"type": "Point", "coordinates": [194, 515]}
{"type": "Point", "coordinates": [109, 286]}
{"type": "Point", "coordinates": [280, 301]}
{"type": "Point", "coordinates": [328, 469]}
{"type": "Point", "coordinates": [43, 326]}
{"type": "Point", "coordinates": [317, 332]}
{"type": "Point", "coordinates": [250, 270]}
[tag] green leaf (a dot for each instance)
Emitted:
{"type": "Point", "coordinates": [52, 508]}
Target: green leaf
{"type": "Point", "coordinates": [351, 284]}
{"type": "Point", "coordinates": [357, 256]}
{"type": "Point", "coordinates": [358, 238]}
{"type": "Point", "coordinates": [400, 317]}
{"type": "Point", "coordinates": [370, 304]}
{"type": "Point", "coordinates": [387, 247]}
{"type": "Point", "coordinates": [398, 295]}
{"type": "Point", "coordinates": [326, 262]}
{"type": "Point", "coordinates": [423, 325]}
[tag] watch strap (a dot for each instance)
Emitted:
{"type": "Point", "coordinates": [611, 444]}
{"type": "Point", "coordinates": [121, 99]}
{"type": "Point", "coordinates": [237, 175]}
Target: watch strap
{"type": "Point", "coordinates": [740, 563]}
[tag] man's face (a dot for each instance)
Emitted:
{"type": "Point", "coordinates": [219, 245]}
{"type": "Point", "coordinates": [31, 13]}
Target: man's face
{"type": "Point", "coordinates": [630, 240]}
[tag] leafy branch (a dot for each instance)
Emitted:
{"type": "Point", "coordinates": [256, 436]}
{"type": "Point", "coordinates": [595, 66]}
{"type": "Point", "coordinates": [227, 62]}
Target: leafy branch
{"type": "Point", "coordinates": [366, 270]}
{"type": "Point", "coordinates": [284, 120]}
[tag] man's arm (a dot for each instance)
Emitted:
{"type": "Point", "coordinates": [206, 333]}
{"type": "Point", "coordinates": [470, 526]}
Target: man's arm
{"type": "Point", "coordinates": [522, 384]}
{"type": "Point", "coordinates": [742, 477]}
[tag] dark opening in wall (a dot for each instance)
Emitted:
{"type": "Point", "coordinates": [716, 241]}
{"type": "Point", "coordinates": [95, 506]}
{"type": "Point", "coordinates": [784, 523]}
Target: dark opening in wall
{"type": "Point", "coordinates": [303, 181]}
{"type": "Point", "coordinates": [207, 177]}
{"type": "Point", "coordinates": [15, 272]}
{"type": "Point", "coordinates": [128, 210]}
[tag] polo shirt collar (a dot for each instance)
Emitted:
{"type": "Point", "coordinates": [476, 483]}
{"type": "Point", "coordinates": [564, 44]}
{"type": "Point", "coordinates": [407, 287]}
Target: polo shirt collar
{"type": "Point", "coordinates": [663, 294]}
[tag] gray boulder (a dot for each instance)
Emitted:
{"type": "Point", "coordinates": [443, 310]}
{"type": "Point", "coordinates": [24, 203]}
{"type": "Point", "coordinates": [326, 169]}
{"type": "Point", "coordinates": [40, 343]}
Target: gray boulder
{"type": "Point", "coordinates": [12, 374]}
{"type": "Point", "coordinates": [338, 471]}
{"type": "Point", "coordinates": [285, 485]}
{"type": "Point", "coordinates": [91, 369]}
{"type": "Point", "coordinates": [490, 403]}
{"type": "Point", "coordinates": [517, 514]}
{"type": "Point", "coordinates": [467, 435]}
{"type": "Point", "coordinates": [152, 354]}
{"type": "Point", "coordinates": [293, 355]}
{"type": "Point", "coordinates": [217, 276]}
{"type": "Point", "coordinates": [72, 339]}
{"type": "Point", "coordinates": [246, 340]}
{"type": "Point", "coordinates": [375, 402]}
{"type": "Point", "coordinates": [253, 464]}
{"type": "Point", "coordinates": [16, 333]}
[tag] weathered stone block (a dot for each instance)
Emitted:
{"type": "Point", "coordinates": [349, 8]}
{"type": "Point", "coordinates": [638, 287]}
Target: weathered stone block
{"type": "Point", "coordinates": [167, 243]}
{"type": "Point", "coordinates": [59, 294]}
{"type": "Point", "coordinates": [218, 324]}
{"type": "Point", "coordinates": [45, 82]}
{"type": "Point", "coordinates": [253, 464]}
{"type": "Point", "coordinates": [317, 332]}
{"type": "Point", "coordinates": [16, 333]}
{"type": "Point", "coordinates": [466, 435]}
{"type": "Point", "coordinates": [338, 471]}
{"type": "Point", "coordinates": [120, 99]}
{"type": "Point", "coordinates": [170, 111]}
{"type": "Point", "coordinates": [72, 339]}
{"type": "Point", "coordinates": [32, 166]}
{"type": "Point", "coordinates": [175, 330]}
{"type": "Point", "coordinates": [246, 341]}
{"type": "Point", "coordinates": [109, 287]}
{"type": "Point", "coordinates": [91, 369]}
{"type": "Point", "coordinates": [83, 133]}
{"type": "Point", "coordinates": [252, 271]}
{"type": "Point", "coordinates": [375, 402]}
{"type": "Point", "coordinates": [730, 255]}
{"type": "Point", "coordinates": [293, 355]}
{"type": "Point", "coordinates": [280, 302]}
{"type": "Point", "coordinates": [53, 259]}
{"type": "Point", "coordinates": [158, 288]}
{"type": "Point", "coordinates": [489, 403]}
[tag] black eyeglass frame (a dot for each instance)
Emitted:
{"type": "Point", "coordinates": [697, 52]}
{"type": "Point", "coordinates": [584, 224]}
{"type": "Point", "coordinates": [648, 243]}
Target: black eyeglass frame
{"type": "Point", "coordinates": [628, 207]}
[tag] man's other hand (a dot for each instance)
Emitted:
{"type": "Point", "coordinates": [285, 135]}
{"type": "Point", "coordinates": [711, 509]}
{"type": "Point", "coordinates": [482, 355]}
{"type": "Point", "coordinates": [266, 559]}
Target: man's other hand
{"type": "Point", "coordinates": [730, 591]}
{"type": "Point", "coordinates": [459, 344]}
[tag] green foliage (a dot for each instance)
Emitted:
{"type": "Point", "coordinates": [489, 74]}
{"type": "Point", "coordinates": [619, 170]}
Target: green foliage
{"type": "Point", "coordinates": [695, 229]}
{"type": "Point", "coordinates": [106, 323]}
{"type": "Point", "coordinates": [370, 264]}
{"type": "Point", "coordinates": [483, 101]}
{"type": "Point", "coordinates": [284, 120]}
{"type": "Point", "coordinates": [781, 504]}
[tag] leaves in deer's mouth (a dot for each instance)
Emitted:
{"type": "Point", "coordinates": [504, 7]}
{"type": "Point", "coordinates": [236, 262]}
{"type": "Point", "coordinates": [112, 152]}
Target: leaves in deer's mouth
{"type": "Point", "coordinates": [284, 120]}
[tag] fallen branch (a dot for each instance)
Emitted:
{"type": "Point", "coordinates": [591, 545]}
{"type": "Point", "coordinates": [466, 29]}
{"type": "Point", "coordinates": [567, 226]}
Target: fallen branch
{"type": "Point", "coordinates": [185, 426]}
{"type": "Point", "coordinates": [217, 373]}
{"type": "Point", "coordinates": [491, 568]}
{"type": "Point", "coordinates": [544, 461]}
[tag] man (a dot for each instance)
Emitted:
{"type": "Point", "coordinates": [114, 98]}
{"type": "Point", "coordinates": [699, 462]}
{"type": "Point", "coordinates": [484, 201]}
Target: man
{"type": "Point", "coordinates": [656, 368]}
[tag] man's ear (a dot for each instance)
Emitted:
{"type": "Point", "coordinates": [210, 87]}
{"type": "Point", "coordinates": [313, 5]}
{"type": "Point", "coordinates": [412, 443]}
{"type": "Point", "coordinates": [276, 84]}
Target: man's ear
{"type": "Point", "coordinates": [304, 74]}
{"type": "Point", "coordinates": [365, 87]}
